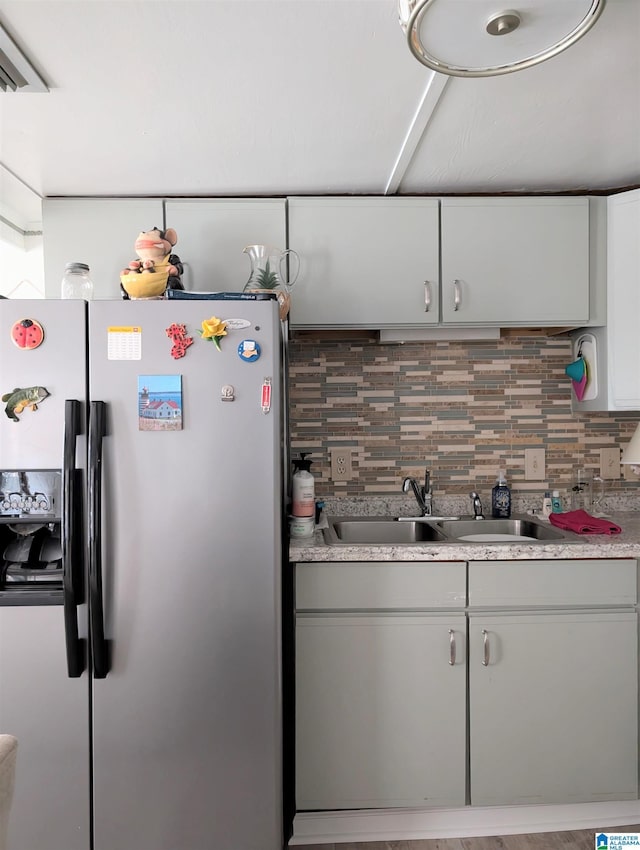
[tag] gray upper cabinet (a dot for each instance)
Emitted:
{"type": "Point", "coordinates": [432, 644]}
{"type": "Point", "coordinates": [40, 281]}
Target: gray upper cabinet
{"type": "Point", "coordinates": [419, 262]}
{"type": "Point", "coordinates": [98, 231]}
{"type": "Point", "coordinates": [513, 261]}
{"type": "Point", "coordinates": [613, 349]}
{"type": "Point", "coordinates": [212, 234]}
{"type": "Point", "coordinates": [623, 299]}
{"type": "Point", "coordinates": [365, 262]}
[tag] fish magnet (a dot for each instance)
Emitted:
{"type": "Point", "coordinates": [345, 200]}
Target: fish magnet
{"type": "Point", "coordinates": [22, 397]}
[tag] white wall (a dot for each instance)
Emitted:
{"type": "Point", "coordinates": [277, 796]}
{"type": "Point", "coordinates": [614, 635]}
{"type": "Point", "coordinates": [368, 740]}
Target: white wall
{"type": "Point", "coordinates": [21, 264]}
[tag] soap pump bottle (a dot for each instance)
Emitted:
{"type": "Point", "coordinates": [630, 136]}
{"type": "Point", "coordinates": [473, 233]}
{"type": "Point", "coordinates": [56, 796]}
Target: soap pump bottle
{"type": "Point", "coordinates": [303, 487]}
{"type": "Point", "coordinates": [501, 497]}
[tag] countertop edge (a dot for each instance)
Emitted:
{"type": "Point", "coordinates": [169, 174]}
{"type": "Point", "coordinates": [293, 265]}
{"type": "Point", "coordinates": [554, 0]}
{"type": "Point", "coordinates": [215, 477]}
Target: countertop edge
{"type": "Point", "coordinates": [624, 545]}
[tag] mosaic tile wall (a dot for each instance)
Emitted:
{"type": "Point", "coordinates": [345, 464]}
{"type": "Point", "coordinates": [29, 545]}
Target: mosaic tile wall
{"type": "Point", "coordinates": [462, 409]}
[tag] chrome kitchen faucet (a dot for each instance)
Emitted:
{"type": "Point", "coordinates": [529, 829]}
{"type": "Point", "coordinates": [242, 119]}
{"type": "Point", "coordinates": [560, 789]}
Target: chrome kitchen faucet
{"type": "Point", "coordinates": [477, 505]}
{"type": "Point", "coordinates": [422, 494]}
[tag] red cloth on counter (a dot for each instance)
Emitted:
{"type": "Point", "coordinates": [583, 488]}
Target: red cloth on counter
{"type": "Point", "coordinates": [583, 523]}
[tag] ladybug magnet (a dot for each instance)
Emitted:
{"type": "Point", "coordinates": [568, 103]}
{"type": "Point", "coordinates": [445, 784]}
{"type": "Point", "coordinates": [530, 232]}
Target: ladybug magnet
{"type": "Point", "coordinates": [27, 333]}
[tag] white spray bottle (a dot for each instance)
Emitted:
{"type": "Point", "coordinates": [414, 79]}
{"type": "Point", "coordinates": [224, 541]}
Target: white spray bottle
{"type": "Point", "coordinates": [303, 488]}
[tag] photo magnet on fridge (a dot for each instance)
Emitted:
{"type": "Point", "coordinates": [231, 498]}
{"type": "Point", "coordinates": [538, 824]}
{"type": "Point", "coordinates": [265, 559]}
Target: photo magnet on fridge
{"type": "Point", "coordinates": [159, 402]}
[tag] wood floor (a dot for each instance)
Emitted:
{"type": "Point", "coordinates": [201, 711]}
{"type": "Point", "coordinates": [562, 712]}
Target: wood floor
{"type": "Point", "coordinates": [583, 839]}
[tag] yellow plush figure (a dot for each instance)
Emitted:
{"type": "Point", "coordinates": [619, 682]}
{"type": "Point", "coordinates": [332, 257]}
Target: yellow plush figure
{"type": "Point", "coordinates": [156, 268]}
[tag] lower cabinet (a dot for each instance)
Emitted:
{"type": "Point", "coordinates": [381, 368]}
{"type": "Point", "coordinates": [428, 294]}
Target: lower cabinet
{"type": "Point", "coordinates": [390, 711]}
{"type": "Point", "coordinates": [380, 711]}
{"type": "Point", "coordinates": [553, 707]}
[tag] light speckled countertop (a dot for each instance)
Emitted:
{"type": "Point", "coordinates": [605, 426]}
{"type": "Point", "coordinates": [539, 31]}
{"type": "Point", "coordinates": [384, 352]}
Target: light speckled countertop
{"type": "Point", "coordinates": [624, 545]}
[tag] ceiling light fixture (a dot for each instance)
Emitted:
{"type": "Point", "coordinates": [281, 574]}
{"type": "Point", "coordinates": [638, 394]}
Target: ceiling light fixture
{"type": "Point", "coordinates": [16, 72]}
{"type": "Point", "coordinates": [439, 30]}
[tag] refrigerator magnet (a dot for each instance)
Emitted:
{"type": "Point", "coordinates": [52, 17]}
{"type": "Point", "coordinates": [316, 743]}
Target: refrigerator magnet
{"type": "Point", "coordinates": [227, 393]}
{"type": "Point", "coordinates": [159, 402]}
{"type": "Point", "coordinates": [213, 329]}
{"type": "Point", "coordinates": [238, 324]}
{"type": "Point", "coordinates": [22, 397]}
{"type": "Point", "coordinates": [124, 343]}
{"type": "Point", "coordinates": [265, 402]}
{"type": "Point", "coordinates": [27, 334]}
{"type": "Point", "coordinates": [177, 333]}
{"type": "Point", "coordinates": [249, 350]}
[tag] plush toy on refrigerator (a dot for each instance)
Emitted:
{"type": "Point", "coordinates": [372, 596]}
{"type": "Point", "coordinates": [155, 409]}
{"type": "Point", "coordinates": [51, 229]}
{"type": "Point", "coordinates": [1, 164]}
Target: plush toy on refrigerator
{"type": "Point", "coordinates": [156, 269]}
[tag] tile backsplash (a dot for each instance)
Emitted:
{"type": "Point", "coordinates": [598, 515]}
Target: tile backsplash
{"type": "Point", "coordinates": [462, 409]}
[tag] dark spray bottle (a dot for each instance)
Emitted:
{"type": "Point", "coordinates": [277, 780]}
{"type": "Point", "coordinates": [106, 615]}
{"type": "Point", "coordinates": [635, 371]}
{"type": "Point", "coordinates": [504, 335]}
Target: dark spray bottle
{"type": "Point", "coordinates": [501, 497]}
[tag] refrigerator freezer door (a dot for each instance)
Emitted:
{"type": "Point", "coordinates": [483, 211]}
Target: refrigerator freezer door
{"type": "Point", "coordinates": [48, 714]}
{"type": "Point", "coordinates": [58, 364]}
{"type": "Point", "coordinates": [39, 703]}
{"type": "Point", "coordinates": [187, 721]}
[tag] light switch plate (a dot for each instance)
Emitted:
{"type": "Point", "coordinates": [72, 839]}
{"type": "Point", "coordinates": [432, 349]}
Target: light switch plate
{"type": "Point", "coordinates": [534, 464]}
{"type": "Point", "coordinates": [341, 469]}
{"type": "Point", "coordinates": [610, 463]}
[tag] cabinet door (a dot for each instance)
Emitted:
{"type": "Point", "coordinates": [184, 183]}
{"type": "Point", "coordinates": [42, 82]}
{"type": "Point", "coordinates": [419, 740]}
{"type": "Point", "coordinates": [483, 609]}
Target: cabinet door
{"type": "Point", "coordinates": [553, 707]}
{"type": "Point", "coordinates": [515, 260]}
{"type": "Point", "coordinates": [213, 233]}
{"type": "Point", "coordinates": [623, 298]}
{"type": "Point", "coordinates": [365, 262]}
{"type": "Point", "coordinates": [98, 231]}
{"type": "Point", "coordinates": [380, 711]}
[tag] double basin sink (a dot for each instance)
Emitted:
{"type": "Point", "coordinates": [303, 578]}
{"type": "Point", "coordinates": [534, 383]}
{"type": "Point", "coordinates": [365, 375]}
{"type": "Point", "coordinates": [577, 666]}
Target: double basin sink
{"type": "Point", "coordinates": [403, 531]}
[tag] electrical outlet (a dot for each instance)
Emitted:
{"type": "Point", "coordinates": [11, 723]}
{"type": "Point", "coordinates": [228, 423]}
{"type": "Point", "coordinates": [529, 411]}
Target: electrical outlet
{"type": "Point", "coordinates": [534, 464]}
{"type": "Point", "coordinates": [341, 464]}
{"type": "Point", "coordinates": [610, 463]}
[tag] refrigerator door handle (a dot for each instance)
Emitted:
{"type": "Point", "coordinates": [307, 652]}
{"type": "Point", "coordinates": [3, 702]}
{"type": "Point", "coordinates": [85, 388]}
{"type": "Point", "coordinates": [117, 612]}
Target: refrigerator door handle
{"type": "Point", "coordinates": [99, 644]}
{"type": "Point", "coordinates": [71, 532]}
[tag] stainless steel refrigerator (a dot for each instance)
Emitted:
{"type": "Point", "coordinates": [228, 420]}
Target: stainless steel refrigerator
{"type": "Point", "coordinates": [141, 529]}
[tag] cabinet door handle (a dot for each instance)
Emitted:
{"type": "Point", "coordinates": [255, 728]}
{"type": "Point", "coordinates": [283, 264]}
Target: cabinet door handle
{"type": "Point", "coordinates": [427, 296]}
{"type": "Point", "coordinates": [457, 295]}
{"type": "Point", "coordinates": [452, 647]}
{"type": "Point", "coordinates": [485, 648]}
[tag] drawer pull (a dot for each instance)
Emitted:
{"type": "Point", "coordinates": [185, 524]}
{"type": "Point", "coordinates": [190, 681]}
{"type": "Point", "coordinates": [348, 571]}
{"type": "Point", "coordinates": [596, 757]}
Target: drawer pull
{"type": "Point", "coordinates": [452, 647]}
{"type": "Point", "coordinates": [485, 648]}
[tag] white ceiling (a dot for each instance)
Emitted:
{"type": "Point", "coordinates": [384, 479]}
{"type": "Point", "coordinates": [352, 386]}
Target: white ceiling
{"type": "Point", "coordinates": [275, 97]}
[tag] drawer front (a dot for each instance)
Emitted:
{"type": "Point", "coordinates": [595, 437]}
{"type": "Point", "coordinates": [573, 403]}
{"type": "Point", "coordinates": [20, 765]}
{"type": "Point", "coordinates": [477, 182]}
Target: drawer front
{"type": "Point", "coordinates": [371, 586]}
{"type": "Point", "coordinates": [580, 582]}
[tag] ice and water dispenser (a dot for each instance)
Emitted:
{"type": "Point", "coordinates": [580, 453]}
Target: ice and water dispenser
{"type": "Point", "coordinates": [30, 532]}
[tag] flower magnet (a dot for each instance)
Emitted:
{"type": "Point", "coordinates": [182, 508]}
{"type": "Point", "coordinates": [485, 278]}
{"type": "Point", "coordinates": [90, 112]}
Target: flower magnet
{"type": "Point", "coordinates": [214, 329]}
